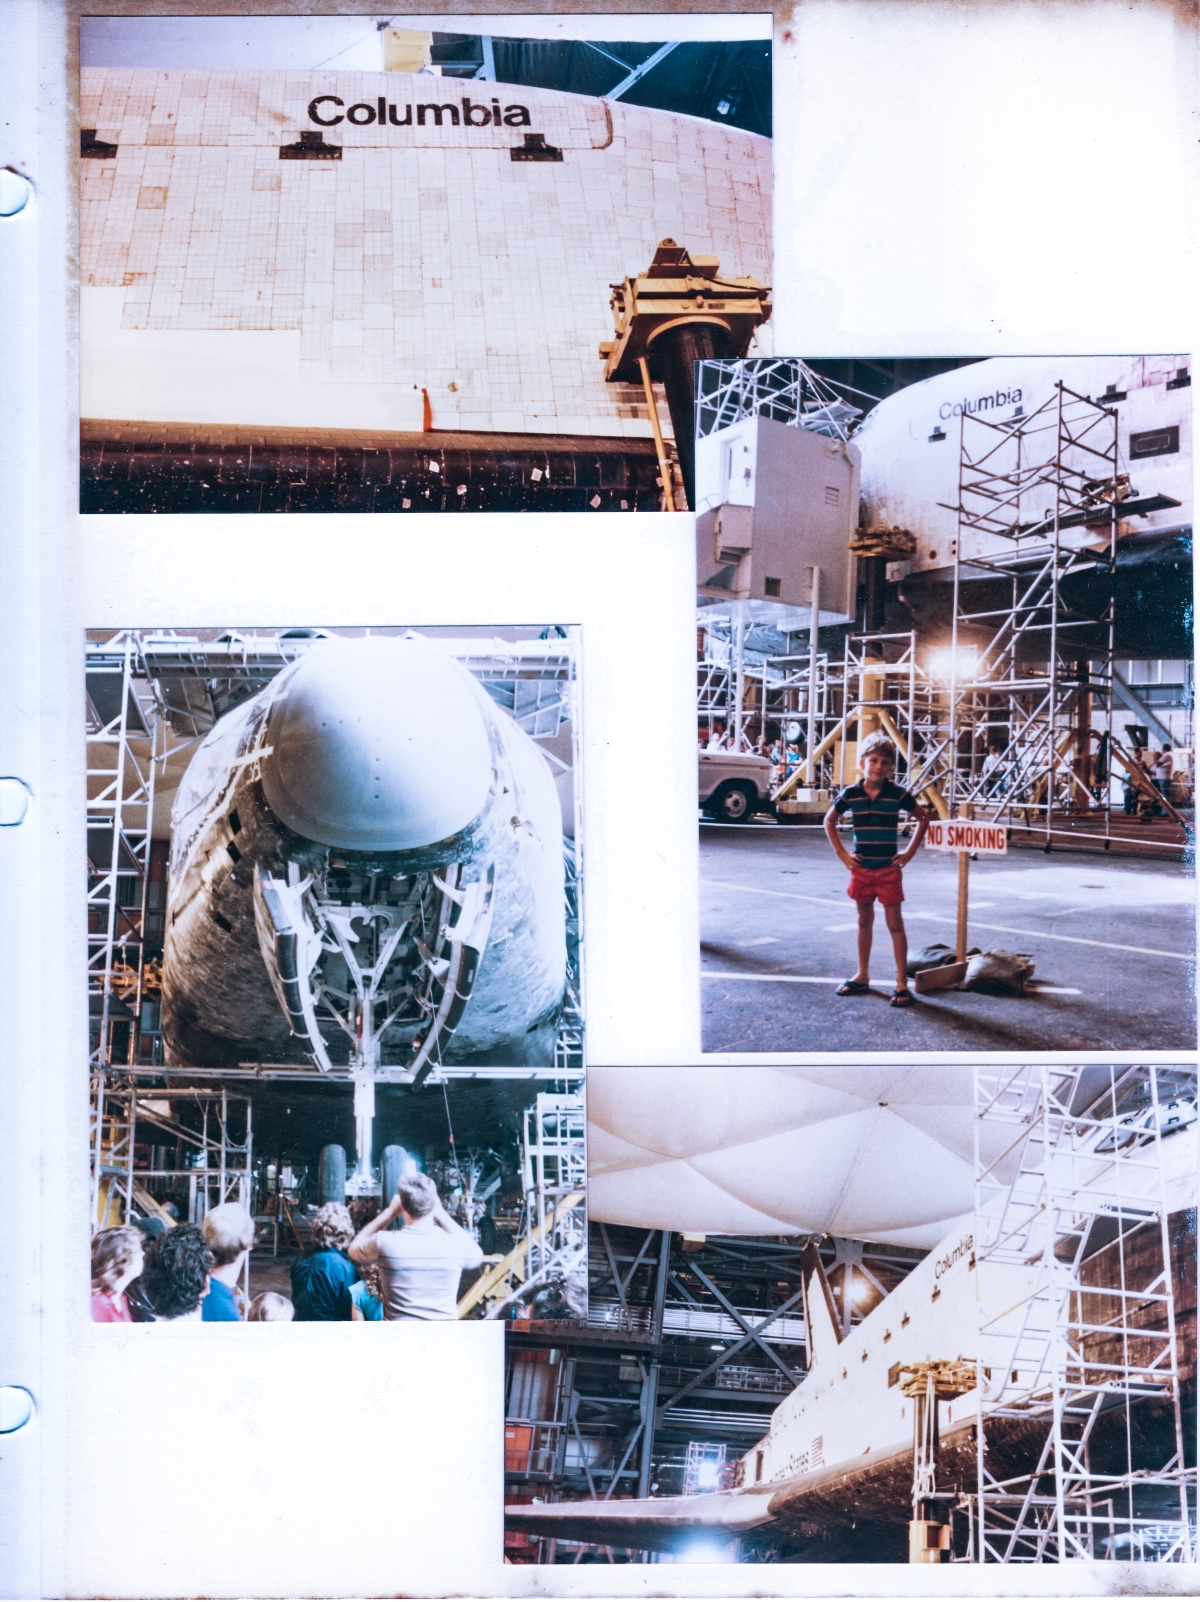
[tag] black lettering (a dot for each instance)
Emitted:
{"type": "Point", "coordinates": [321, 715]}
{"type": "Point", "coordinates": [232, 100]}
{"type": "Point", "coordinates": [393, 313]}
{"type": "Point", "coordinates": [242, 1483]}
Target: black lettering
{"type": "Point", "coordinates": [396, 121]}
{"type": "Point", "coordinates": [324, 122]}
{"type": "Point", "coordinates": [985, 400]}
{"type": "Point", "coordinates": [516, 117]}
{"type": "Point", "coordinates": [1015, 397]}
{"type": "Point", "coordinates": [438, 113]}
{"type": "Point", "coordinates": [496, 112]}
{"type": "Point", "coordinates": [366, 119]}
{"type": "Point", "coordinates": [485, 116]}
{"type": "Point", "coordinates": [381, 115]}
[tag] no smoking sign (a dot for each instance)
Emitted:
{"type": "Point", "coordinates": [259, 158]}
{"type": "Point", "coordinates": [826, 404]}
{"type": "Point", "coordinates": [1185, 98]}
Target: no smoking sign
{"type": "Point", "coordinates": [957, 834]}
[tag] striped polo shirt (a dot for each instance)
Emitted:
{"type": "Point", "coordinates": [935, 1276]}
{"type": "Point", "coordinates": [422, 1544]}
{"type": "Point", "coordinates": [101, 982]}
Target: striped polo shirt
{"type": "Point", "coordinates": [875, 821]}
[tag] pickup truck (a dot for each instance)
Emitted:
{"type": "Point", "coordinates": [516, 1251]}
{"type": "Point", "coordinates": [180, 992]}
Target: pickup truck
{"type": "Point", "coordinates": [734, 785]}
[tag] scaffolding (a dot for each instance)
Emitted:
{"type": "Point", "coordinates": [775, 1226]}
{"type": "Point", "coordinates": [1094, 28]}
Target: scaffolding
{"type": "Point", "coordinates": [122, 748]}
{"type": "Point", "coordinates": [1087, 1365]}
{"type": "Point", "coordinates": [133, 1132]}
{"type": "Point", "coordinates": [1024, 670]}
{"type": "Point", "coordinates": [781, 389]}
{"type": "Point", "coordinates": [554, 1177]}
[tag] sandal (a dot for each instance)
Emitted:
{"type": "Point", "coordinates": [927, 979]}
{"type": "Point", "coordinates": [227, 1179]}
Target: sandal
{"type": "Point", "coordinates": [852, 987]}
{"type": "Point", "coordinates": [901, 998]}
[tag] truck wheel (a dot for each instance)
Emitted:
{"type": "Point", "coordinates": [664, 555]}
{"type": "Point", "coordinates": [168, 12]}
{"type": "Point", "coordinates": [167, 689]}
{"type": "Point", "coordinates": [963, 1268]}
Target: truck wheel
{"type": "Point", "coordinates": [733, 803]}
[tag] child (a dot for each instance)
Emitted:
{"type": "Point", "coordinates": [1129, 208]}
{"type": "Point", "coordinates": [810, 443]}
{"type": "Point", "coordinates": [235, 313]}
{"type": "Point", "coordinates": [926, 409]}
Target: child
{"type": "Point", "coordinates": [270, 1308]}
{"type": "Point", "coordinates": [366, 1294]}
{"type": "Point", "coordinates": [875, 804]}
{"type": "Point", "coordinates": [116, 1262]}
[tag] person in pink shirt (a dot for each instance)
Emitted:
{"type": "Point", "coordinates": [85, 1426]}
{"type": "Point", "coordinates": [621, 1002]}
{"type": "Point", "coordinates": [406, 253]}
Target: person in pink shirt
{"type": "Point", "coordinates": [116, 1260]}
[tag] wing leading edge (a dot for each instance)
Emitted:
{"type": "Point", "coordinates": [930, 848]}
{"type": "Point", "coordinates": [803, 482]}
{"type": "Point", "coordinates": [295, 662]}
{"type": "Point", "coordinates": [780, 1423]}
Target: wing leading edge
{"type": "Point", "coordinates": [655, 1524]}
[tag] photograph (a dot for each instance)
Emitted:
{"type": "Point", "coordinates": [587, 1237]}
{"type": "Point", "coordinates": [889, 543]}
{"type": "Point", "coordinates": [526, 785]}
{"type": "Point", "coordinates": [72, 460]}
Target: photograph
{"type": "Point", "coordinates": [331, 264]}
{"type": "Point", "coordinates": [334, 972]}
{"type": "Point", "coordinates": [944, 663]}
{"type": "Point", "coordinates": [871, 1316]}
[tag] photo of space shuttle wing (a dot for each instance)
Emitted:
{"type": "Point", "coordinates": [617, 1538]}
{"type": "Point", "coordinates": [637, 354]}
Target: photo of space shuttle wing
{"type": "Point", "coordinates": [839, 1450]}
{"type": "Point", "coordinates": [366, 872]}
{"type": "Point", "coordinates": [1023, 1394]}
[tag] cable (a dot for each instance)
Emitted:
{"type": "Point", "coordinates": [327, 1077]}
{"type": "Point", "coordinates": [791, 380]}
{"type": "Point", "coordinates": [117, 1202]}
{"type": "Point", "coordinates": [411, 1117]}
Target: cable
{"type": "Point", "coordinates": [450, 1127]}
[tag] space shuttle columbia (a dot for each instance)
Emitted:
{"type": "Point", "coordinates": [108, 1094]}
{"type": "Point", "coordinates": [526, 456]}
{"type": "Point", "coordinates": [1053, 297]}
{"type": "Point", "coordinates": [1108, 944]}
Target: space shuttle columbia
{"type": "Point", "coordinates": [366, 874]}
{"type": "Point", "coordinates": [910, 454]}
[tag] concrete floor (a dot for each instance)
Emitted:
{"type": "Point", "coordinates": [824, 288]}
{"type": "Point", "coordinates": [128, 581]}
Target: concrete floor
{"type": "Point", "coordinates": [269, 1273]}
{"type": "Point", "coordinates": [1113, 942]}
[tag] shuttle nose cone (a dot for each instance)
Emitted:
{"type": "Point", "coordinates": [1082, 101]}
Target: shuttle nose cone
{"type": "Point", "coordinates": [377, 744]}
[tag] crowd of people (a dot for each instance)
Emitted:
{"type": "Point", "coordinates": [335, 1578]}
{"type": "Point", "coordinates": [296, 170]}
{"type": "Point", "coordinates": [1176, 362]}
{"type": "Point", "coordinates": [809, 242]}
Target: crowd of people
{"type": "Point", "coordinates": [153, 1272]}
{"type": "Point", "coordinates": [1159, 768]}
{"type": "Point", "coordinates": [785, 756]}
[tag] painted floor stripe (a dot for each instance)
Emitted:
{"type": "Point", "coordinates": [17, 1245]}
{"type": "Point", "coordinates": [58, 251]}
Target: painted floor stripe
{"type": "Point", "coordinates": [934, 917]}
{"type": "Point", "coordinates": [772, 978]}
{"type": "Point", "coordinates": [805, 979]}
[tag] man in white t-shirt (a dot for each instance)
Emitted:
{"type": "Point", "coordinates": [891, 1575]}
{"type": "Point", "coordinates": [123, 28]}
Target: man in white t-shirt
{"type": "Point", "coordinates": [419, 1264]}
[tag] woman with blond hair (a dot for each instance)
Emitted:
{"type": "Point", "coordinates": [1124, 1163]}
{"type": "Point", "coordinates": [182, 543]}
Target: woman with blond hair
{"type": "Point", "coordinates": [322, 1278]}
{"type": "Point", "coordinates": [116, 1261]}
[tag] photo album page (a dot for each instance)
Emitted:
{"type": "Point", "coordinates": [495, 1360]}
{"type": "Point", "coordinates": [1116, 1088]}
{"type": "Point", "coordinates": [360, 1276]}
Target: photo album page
{"type": "Point", "coordinates": [597, 691]}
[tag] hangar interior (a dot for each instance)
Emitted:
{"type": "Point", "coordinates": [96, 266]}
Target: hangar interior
{"type": "Point", "coordinates": [505, 1144]}
{"type": "Point", "coordinates": [691, 1342]}
{"type": "Point", "coordinates": [1069, 1365]}
{"type": "Point", "coordinates": [1033, 647]}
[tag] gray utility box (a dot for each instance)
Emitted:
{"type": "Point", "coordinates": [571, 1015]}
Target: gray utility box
{"type": "Point", "coordinates": [773, 502]}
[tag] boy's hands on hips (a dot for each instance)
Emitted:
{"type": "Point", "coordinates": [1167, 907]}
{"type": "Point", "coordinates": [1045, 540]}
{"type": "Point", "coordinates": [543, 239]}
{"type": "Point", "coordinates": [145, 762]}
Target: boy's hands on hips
{"type": "Point", "coordinates": [924, 817]}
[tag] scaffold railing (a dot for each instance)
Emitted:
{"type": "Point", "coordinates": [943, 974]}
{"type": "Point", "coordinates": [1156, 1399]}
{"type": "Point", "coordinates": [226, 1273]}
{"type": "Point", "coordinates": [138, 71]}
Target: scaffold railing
{"type": "Point", "coordinates": [122, 744]}
{"type": "Point", "coordinates": [785, 390]}
{"type": "Point", "coordinates": [554, 1175]}
{"type": "Point", "coordinates": [1087, 1363]}
{"type": "Point", "coordinates": [216, 1164]}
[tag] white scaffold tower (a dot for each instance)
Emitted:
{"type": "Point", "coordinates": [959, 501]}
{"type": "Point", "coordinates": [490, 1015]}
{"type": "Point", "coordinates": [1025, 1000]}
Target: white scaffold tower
{"type": "Point", "coordinates": [554, 1173]}
{"type": "Point", "coordinates": [1090, 1360]}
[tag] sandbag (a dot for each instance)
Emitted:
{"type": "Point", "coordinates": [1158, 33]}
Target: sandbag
{"type": "Point", "coordinates": [998, 970]}
{"type": "Point", "coordinates": [932, 956]}
{"type": "Point", "coordinates": [936, 955]}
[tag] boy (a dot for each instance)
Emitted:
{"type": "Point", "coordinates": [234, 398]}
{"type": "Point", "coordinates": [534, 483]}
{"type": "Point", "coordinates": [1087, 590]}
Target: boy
{"type": "Point", "coordinates": [875, 804]}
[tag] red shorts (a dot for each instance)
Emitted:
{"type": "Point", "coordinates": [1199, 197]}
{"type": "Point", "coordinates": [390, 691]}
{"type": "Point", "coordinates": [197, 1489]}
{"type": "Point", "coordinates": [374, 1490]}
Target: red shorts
{"type": "Point", "coordinates": [886, 883]}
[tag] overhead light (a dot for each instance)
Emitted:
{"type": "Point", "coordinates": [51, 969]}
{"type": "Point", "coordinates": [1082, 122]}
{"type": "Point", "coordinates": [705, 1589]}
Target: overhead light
{"type": "Point", "coordinates": [944, 665]}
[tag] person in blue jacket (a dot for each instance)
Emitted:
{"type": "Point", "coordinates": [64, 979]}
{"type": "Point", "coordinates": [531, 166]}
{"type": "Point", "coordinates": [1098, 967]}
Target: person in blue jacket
{"type": "Point", "coordinates": [322, 1278]}
{"type": "Point", "coordinates": [229, 1235]}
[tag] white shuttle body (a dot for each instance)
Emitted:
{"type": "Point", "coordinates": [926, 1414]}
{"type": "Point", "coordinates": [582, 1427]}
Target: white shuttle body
{"type": "Point", "coordinates": [366, 872]}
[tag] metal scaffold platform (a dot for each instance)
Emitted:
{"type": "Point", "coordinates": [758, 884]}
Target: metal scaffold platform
{"type": "Point", "coordinates": [1090, 1361]}
{"type": "Point", "coordinates": [145, 1155]}
{"type": "Point", "coordinates": [548, 1261]}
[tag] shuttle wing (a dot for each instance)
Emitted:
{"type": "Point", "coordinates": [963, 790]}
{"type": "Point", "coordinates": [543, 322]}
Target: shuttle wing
{"type": "Point", "coordinates": [654, 1524]}
{"type": "Point", "coordinates": [875, 1488]}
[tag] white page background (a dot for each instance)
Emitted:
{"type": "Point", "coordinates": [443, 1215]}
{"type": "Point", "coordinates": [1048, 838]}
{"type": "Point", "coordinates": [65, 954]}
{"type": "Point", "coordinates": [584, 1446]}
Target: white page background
{"type": "Point", "coordinates": [950, 178]}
